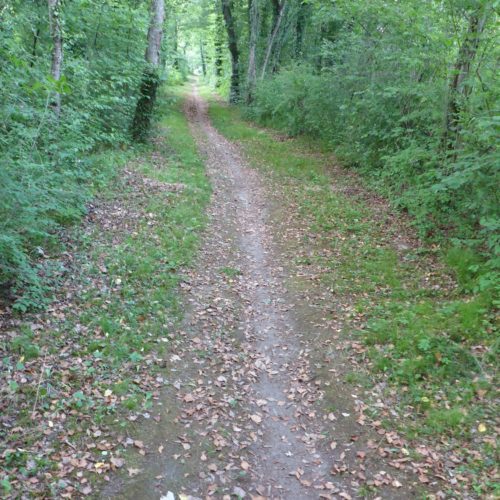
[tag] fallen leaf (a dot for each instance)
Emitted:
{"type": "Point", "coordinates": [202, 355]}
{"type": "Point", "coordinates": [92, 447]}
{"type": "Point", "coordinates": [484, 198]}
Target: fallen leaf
{"type": "Point", "coordinates": [117, 462]}
{"type": "Point", "coordinates": [256, 418]}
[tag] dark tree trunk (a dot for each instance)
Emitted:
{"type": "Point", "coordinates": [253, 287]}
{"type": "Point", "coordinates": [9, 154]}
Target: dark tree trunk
{"type": "Point", "coordinates": [278, 12]}
{"type": "Point", "coordinates": [227, 11]}
{"type": "Point", "coordinates": [299, 29]}
{"type": "Point", "coordinates": [252, 54]}
{"type": "Point", "coordinates": [36, 36]}
{"type": "Point", "coordinates": [460, 86]}
{"type": "Point", "coordinates": [150, 78]}
{"type": "Point", "coordinates": [202, 57]}
{"type": "Point", "coordinates": [219, 42]}
{"type": "Point", "coordinates": [57, 51]}
{"type": "Point", "coordinates": [176, 45]}
{"type": "Point", "coordinates": [96, 36]}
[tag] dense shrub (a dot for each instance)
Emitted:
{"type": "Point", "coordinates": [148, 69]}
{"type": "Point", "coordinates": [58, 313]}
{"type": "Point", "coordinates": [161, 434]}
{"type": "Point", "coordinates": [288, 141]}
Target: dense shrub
{"type": "Point", "coordinates": [380, 98]}
{"type": "Point", "coordinates": [48, 165]}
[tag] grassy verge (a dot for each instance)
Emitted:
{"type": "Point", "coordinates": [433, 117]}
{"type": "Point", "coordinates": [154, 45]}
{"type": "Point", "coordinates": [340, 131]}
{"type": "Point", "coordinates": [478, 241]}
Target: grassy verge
{"type": "Point", "coordinates": [73, 374]}
{"type": "Point", "coordinates": [409, 307]}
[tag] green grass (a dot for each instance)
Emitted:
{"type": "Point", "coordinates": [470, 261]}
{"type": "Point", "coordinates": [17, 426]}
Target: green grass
{"type": "Point", "coordinates": [147, 263]}
{"type": "Point", "coordinates": [421, 334]}
{"type": "Point", "coordinates": [122, 317]}
{"type": "Point", "coordinates": [231, 272]}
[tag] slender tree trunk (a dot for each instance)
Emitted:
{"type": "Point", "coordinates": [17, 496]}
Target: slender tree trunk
{"type": "Point", "coordinates": [299, 29]}
{"type": "Point", "coordinates": [36, 36]}
{"type": "Point", "coordinates": [219, 28]}
{"type": "Point", "coordinates": [57, 51]}
{"type": "Point", "coordinates": [176, 44]}
{"type": "Point", "coordinates": [276, 6]}
{"type": "Point", "coordinates": [151, 77]}
{"type": "Point", "coordinates": [227, 11]}
{"type": "Point", "coordinates": [272, 37]}
{"type": "Point", "coordinates": [460, 86]}
{"type": "Point", "coordinates": [252, 62]}
{"type": "Point", "coordinates": [202, 57]}
{"type": "Point", "coordinates": [96, 36]}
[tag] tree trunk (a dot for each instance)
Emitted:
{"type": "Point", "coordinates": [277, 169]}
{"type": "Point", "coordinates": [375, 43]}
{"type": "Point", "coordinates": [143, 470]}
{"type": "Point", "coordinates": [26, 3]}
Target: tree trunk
{"type": "Point", "coordinates": [57, 51]}
{"type": "Point", "coordinates": [274, 32]}
{"type": "Point", "coordinates": [299, 29]}
{"type": "Point", "coordinates": [36, 36]}
{"type": "Point", "coordinates": [151, 77]}
{"type": "Point", "coordinates": [96, 36]}
{"type": "Point", "coordinates": [176, 45]}
{"type": "Point", "coordinates": [227, 11]}
{"type": "Point", "coordinates": [218, 42]}
{"type": "Point", "coordinates": [252, 63]}
{"type": "Point", "coordinates": [460, 87]}
{"type": "Point", "coordinates": [202, 57]}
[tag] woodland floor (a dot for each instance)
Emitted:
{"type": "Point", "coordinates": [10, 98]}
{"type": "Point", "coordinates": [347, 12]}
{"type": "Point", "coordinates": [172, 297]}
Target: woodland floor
{"type": "Point", "coordinates": [247, 391]}
{"type": "Point", "coordinates": [252, 397]}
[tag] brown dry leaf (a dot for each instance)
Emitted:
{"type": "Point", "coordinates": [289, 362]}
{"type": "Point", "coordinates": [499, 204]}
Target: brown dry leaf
{"type": "Point", "coordinates": [256, 418]}
{"type": "Point", "coordinates": [117, 462]}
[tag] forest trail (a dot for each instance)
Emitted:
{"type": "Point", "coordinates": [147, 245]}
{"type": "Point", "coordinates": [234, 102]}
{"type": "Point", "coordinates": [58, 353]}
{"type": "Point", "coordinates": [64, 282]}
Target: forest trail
{"type": "Point", "coordinates": [243, 413]}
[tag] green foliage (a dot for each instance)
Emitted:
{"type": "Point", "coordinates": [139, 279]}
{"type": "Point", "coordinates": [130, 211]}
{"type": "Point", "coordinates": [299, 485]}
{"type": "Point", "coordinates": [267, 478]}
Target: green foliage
{"type": "Point", "coordinates": [372, 80]}
{"type": "Point", "coordinates": [50, 166]}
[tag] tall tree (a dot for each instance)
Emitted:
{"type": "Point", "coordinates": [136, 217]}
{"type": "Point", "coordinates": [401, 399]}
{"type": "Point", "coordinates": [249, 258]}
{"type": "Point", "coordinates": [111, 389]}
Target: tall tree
{"type": "Point", "coordinates": [278, 12]}
{"type": "Point", "coordinates": [227, 11]}
{"type": "Point", "coordinates": [460, 86]}
{"type": "Point", "coordinates": [218, 46]}
{"type": "Point", "coordinates": [299, 29]}
{"type": "Point", "coordinates": [252, 62]}
{"type": "Point", "coordinates": [151, 77]}
{"type": "Point", "coordinates": [57, 51]}
{"type": "Point", "coordinates": [202, 58]}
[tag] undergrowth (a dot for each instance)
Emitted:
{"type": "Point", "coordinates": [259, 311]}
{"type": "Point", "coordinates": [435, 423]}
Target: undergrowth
{"type": "Point", "coordinates": [396, 147]}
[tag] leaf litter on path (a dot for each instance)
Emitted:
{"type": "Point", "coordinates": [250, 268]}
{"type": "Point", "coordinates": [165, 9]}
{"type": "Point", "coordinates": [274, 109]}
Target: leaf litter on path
{"type": "Point", "coordinates": [249, 393]}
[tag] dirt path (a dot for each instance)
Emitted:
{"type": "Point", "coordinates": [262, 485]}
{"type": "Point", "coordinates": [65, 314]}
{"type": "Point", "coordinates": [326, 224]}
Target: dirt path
{"type": "Point", "coordinates": [244, 412]}
{"type": "Point", "coordinates": [265, 319]}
